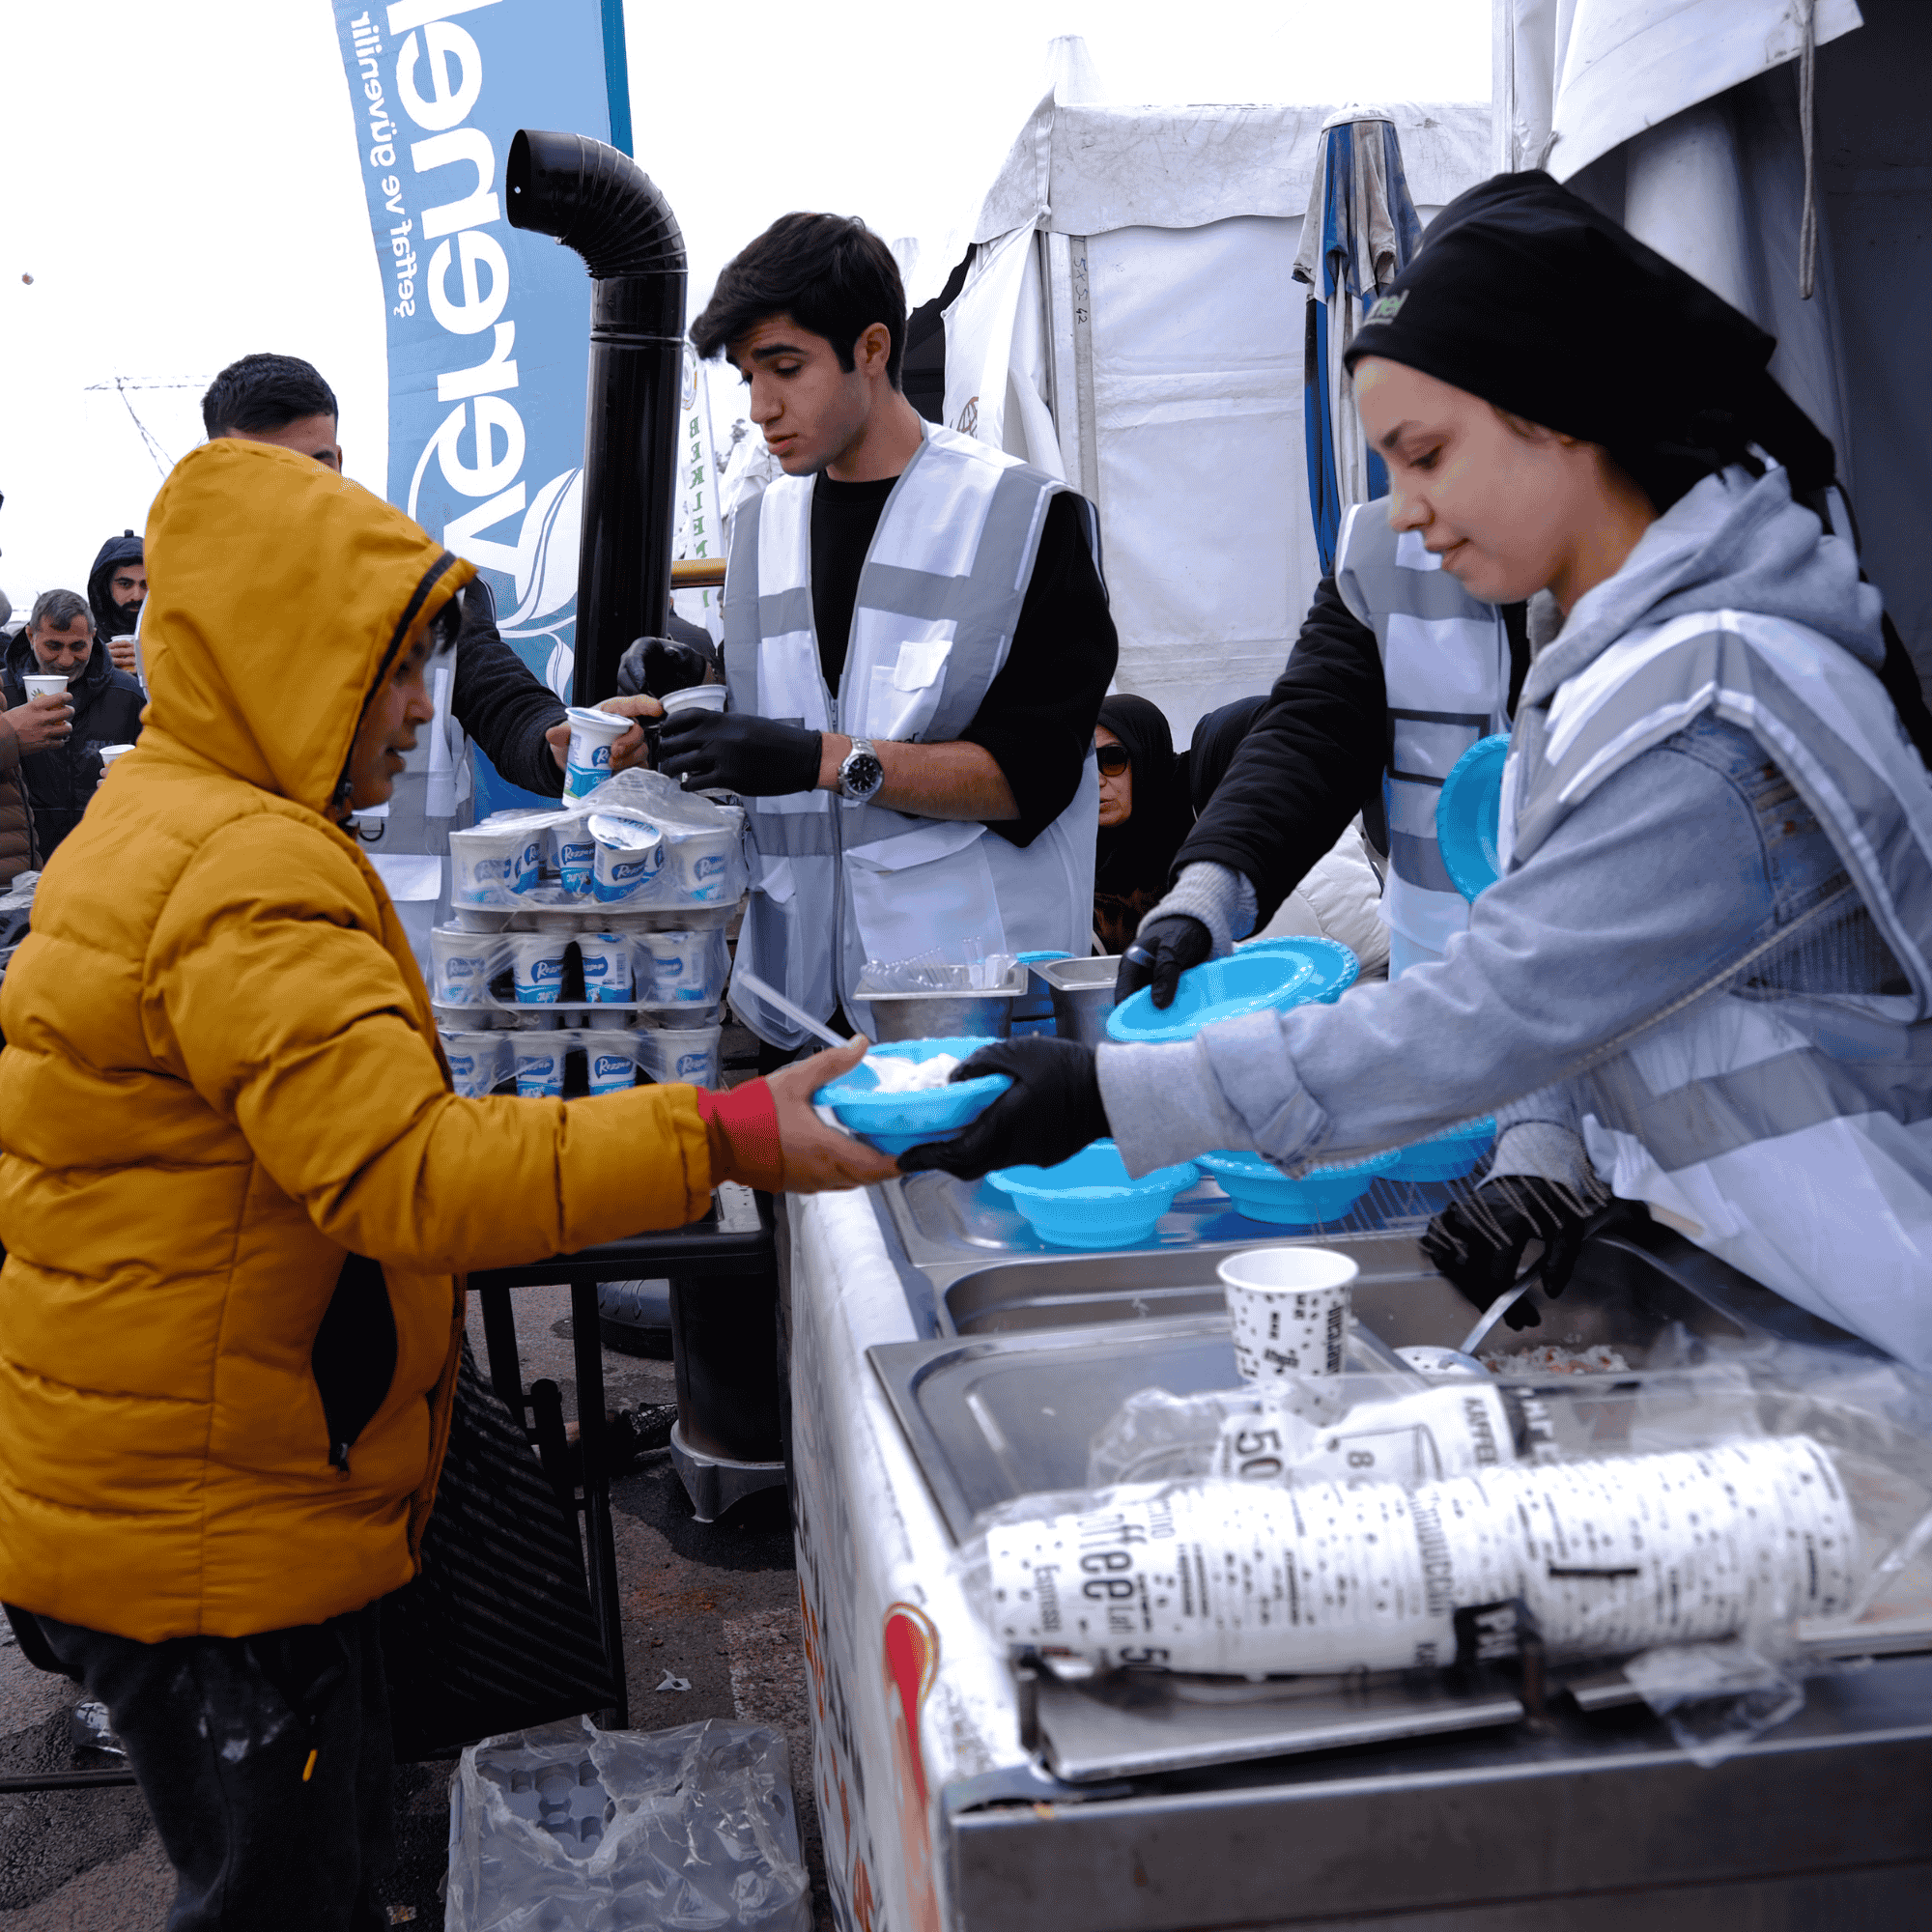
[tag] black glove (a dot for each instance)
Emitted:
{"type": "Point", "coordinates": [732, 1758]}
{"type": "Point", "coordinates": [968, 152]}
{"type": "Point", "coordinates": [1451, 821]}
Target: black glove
{"type": "Point", "coordinates": [736, 751]}
{"type": "Point", "coordinates": [1478, 1242]}
{"type": "Point", "coordinates": [1160, 956]}
{"type": "Point", "coordinates": [1050, 1112]}
{"type": "Point", "coordinates": [656, 666]}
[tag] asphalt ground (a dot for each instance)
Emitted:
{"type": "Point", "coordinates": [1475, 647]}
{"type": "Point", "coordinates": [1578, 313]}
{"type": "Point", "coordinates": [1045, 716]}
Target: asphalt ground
{"type": "Point", "coordinates": [715, 1606]}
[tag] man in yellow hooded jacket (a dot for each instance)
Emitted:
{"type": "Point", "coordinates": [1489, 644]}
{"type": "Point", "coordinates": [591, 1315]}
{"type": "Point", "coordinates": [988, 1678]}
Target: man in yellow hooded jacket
{"type": "Point", "coordinates": [237, 1194]}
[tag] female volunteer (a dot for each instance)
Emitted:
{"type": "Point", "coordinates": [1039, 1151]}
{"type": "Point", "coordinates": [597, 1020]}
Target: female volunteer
{"type": "Point", "coordinates": [1703, 981]}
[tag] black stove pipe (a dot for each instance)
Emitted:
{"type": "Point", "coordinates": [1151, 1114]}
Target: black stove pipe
{"type": "Point", "coordinates": [603, 204]}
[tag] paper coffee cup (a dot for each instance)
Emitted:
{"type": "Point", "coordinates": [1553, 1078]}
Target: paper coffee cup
{"type": "Point", "coordinates": [44, 684]}
{"type": "Point", "coordinates": [693, 697]}
{"type": "Point", "coordinates": [461, 965]}
{"type": "Point", "coordinates": [477, 1062]}
{"type": "Point", "coordinates": [629, 856]}
{"type": "Point", "coordinates": [539, 961]}
{"type": "Point", "coordinates": [1289, 1309]}
{"type": "Point", "coordinates": [492, 865]}
{"type": "Point", "coordinates": [679, 967]}
{"type": "Point", "coordinates": [539, 1058]}
{"type": "Point", "coordinates": [592, 734]}
{"type": "Point", "coordinates": [109, 753]}
{"type": "Point", "coordinates": [607, 966]}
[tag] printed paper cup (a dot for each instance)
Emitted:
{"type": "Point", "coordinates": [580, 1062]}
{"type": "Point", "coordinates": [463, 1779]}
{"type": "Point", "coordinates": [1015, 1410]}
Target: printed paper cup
{"type": "Point", "coordinates": [1289, 1308]}
{"type": "Point", "coordinates": [587, 763]}
{"type": "Point", "coordinates": [44, 684]}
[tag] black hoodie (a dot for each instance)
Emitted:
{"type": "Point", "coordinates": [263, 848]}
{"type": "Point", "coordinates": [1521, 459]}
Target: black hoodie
{"type": "Point", "coordinates": [112, 619]}
{"type": "Point", "coordinates": [60, 781]}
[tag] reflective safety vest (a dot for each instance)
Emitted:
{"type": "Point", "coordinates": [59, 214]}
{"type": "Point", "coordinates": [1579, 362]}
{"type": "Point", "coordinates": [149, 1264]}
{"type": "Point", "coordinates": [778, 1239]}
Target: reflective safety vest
{"type": "Point", "coordinates": [838, 882]}
{"type": "Point", "coordinates": [1787, 1129]}
{"type": "Point", "coordinates": [1446, 669]}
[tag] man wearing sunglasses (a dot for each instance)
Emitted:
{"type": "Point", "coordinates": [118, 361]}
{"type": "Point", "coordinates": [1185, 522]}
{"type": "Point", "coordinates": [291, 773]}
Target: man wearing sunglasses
{"type": "Point", "coordinates": [916, 642]}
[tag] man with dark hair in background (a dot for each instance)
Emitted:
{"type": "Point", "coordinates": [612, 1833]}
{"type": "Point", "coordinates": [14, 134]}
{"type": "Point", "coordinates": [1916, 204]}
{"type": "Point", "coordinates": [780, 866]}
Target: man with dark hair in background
{"type": "Point", "coordinates": [117, 587]}
{"type": "Point", "coordinates": [62, 770]}
{"type": "Point", "coordinates": [916, 642]}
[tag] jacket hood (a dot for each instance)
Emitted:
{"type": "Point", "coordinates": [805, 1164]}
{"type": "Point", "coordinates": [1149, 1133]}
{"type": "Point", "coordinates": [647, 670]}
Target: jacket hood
{"type": "Point", "coordinates": [281, 595]}
{"type": "Point", "coordinates": [1735, 542]}
{"type": "Point", "coordinates": [110, 620]}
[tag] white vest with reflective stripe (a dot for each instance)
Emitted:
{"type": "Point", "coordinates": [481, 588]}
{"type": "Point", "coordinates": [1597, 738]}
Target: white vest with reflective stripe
{"type": "Point", "coordinates": [1446, 668]}
{"type": "Point", "coordinates": [938, 600]}
{"type": "Point", "coordinates": [1789, 1132]}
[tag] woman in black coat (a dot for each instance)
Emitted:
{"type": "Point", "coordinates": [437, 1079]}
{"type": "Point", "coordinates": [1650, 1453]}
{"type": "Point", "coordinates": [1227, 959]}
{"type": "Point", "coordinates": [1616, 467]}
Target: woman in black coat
{"type": "Point", "coordinates": [1143, 816]}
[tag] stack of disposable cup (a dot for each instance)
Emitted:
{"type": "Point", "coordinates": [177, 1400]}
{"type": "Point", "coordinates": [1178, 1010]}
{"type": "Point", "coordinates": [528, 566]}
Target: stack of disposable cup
{"type": "Point", "coordinates": [1612, 1556]}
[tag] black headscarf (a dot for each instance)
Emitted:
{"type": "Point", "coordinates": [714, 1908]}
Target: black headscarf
{"type": "Point", "coordinates": [1525, 295]}
{"type": "Point", "coordinates": [112, 619]}
{"type": "Point", "coordinates": [1217, 737]}
{"type": "Point", "coordinates": [1135, 858]}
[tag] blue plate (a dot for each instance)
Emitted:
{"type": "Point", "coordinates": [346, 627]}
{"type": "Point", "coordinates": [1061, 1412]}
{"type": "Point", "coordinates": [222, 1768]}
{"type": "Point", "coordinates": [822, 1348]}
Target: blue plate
{"type": "Point", "coordinates": [1447, 1155]}
{"type": "Point", "coordinates": [1261, 1192]}
{"type": "Point", "coordinates": [892, 1122]}
{"type": "Point", "coordinates": [1469, 813]}
{"type": "Point", "coordinates": [1336, 968]}
{"type": "Point", "coordinates": [1247, 981]}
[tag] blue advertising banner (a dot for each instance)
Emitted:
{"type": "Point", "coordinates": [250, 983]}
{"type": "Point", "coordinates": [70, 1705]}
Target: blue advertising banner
{"type": "Point", "coordinates": [488, 328]}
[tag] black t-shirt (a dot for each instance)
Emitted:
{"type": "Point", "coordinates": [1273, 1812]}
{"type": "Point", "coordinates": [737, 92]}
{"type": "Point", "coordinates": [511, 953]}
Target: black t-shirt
{"type": "Point", "coordinates": [1037, 719]}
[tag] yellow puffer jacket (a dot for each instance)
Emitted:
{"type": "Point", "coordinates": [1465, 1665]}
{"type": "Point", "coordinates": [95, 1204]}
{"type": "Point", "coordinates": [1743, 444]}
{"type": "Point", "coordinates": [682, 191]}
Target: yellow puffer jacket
{"type": "Point", "coordinates": [221, 1086]}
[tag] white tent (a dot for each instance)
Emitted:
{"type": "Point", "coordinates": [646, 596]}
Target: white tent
{"type": "Point", "coordinates": [1131, 324]}
{"type": "Point", "coordinates": [1690, 122]}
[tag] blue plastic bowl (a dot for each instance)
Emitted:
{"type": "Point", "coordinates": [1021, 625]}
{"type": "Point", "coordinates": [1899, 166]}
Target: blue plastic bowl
{"type": "Point", "coordinates": [1336, 967]}
{"type": "Point", "coordinates": [1089, 1201]}
{"type": "Point", "coordinates": [892, 1122]}
{"type": "Point", "coordinates": [1037, 1002]}
{"type": "Point", "coordinates": [1223, 989]}
{"type": "Point", "coordinates": [1447, 1155]}
{"type": "Point", "coordinates": [1469, 815]}
{"type": "Point", "coordinates": [1263, 1193]}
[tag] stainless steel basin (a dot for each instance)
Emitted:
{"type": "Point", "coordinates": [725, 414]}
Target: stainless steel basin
{"type": "Point", "coordinates": [1082, 996]}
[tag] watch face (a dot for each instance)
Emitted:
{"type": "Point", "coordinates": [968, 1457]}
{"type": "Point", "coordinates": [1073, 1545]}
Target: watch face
{"type": "Point", "coordinates": [861, 774]}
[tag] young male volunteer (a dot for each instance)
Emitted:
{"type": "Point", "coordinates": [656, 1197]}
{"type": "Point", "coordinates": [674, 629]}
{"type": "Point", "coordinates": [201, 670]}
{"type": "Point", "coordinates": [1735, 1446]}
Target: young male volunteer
{"type": "Point", "coordinates": [916, 642]}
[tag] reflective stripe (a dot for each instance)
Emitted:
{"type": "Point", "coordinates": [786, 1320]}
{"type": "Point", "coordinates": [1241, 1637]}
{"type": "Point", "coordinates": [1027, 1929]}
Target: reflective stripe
{"type": "Point", "coordinates": [1445, 672]}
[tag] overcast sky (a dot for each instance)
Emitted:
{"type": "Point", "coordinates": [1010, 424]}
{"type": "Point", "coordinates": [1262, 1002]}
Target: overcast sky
{"type": "Point", "coordinates": [182, 187]}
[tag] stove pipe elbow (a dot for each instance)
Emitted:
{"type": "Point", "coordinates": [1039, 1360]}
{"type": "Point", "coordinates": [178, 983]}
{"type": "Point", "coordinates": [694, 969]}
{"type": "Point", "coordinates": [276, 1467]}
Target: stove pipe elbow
{"type": "Point", "coordinates": [601, 204]}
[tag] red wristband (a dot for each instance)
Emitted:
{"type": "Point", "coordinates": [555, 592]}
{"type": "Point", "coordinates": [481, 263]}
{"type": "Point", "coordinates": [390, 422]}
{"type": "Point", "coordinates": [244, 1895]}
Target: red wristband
{"type": "Point", "coordinates": [743, 1125]}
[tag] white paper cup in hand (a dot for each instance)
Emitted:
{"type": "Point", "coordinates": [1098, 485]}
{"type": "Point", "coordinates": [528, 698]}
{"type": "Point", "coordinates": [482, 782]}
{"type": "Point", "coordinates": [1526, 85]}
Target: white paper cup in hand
{"type": "Point", "coordinates": [1289, 1308]}
{"type": "Point", "coordinates": [693, 697]}
{"type": "Point", "coordinates": [44, 684]}
{"type": "Point", "coordinates": [592, 734]}
{"type": "Point", "coordinates": [539, 964]}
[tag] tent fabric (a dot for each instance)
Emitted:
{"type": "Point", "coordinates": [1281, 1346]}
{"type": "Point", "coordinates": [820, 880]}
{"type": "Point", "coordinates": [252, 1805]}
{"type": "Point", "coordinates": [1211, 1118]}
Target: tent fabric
{"type": "Point", "coordinates": [1576, 78]}
{"type": "Point", "coordinates": [1130, 323]}
{"type": "Point", "coordinates": [1366, 233]}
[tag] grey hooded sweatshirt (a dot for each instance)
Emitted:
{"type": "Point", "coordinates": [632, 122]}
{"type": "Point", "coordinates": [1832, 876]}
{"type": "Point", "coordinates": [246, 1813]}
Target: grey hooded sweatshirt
{"type": "Point", "coordinates": [1620, 906]}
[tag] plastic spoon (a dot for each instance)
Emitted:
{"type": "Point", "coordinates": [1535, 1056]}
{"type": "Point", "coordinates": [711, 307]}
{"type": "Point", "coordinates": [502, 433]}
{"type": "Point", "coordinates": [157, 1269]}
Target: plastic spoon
{"type": "Point", "coordinates": [744, 977]}
{"type": "Point", "coordinates": [1491, 1315]}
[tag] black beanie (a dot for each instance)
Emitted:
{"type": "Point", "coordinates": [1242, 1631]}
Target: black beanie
{"type": "Point", "coordinates": [1525, 295]}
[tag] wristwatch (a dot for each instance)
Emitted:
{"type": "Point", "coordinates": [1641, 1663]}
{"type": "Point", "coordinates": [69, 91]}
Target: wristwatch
{"type": "Point", "coordinates": [860, 773]}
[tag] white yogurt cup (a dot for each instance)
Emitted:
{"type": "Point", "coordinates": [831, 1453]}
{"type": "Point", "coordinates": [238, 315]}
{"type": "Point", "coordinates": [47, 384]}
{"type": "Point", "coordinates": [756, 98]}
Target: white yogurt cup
{"type": "Point", "coordinates": [592, 734]}
{"type": "Point", "coordinates": [679, 965]}
{"type": "Point", "coordinates": [539, 1058]}
{"type": "Point", "coordinates": [615, 1021]}
{"type": "Point", "coordinates": [607, 966]}
{"type": "Point", "coordinates": [477, 1062]}
{"type": "Point", "coordinates": [1289, 1308]}
{"type": "Point", "coordinates": [611, 1059]}
{"type": "Point", "coordinates": [697, 865]}
{"type": "Point", "coordinates": [44, 684]}
{"type": "Point", "coordinates": [630, 854]}
{"type": "Point", "coordinates": [492, 865]}
{"type": "Point", "coordinates": [686, 1055]}
{"type": "Point", "coordinates": [693, 697]}
{"type": "Point", "coordinates": [462, 965]}
{"type": "Point", "coordinates": [539, 961]}
{"type": "Point", "coordinates": [568, 852]}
